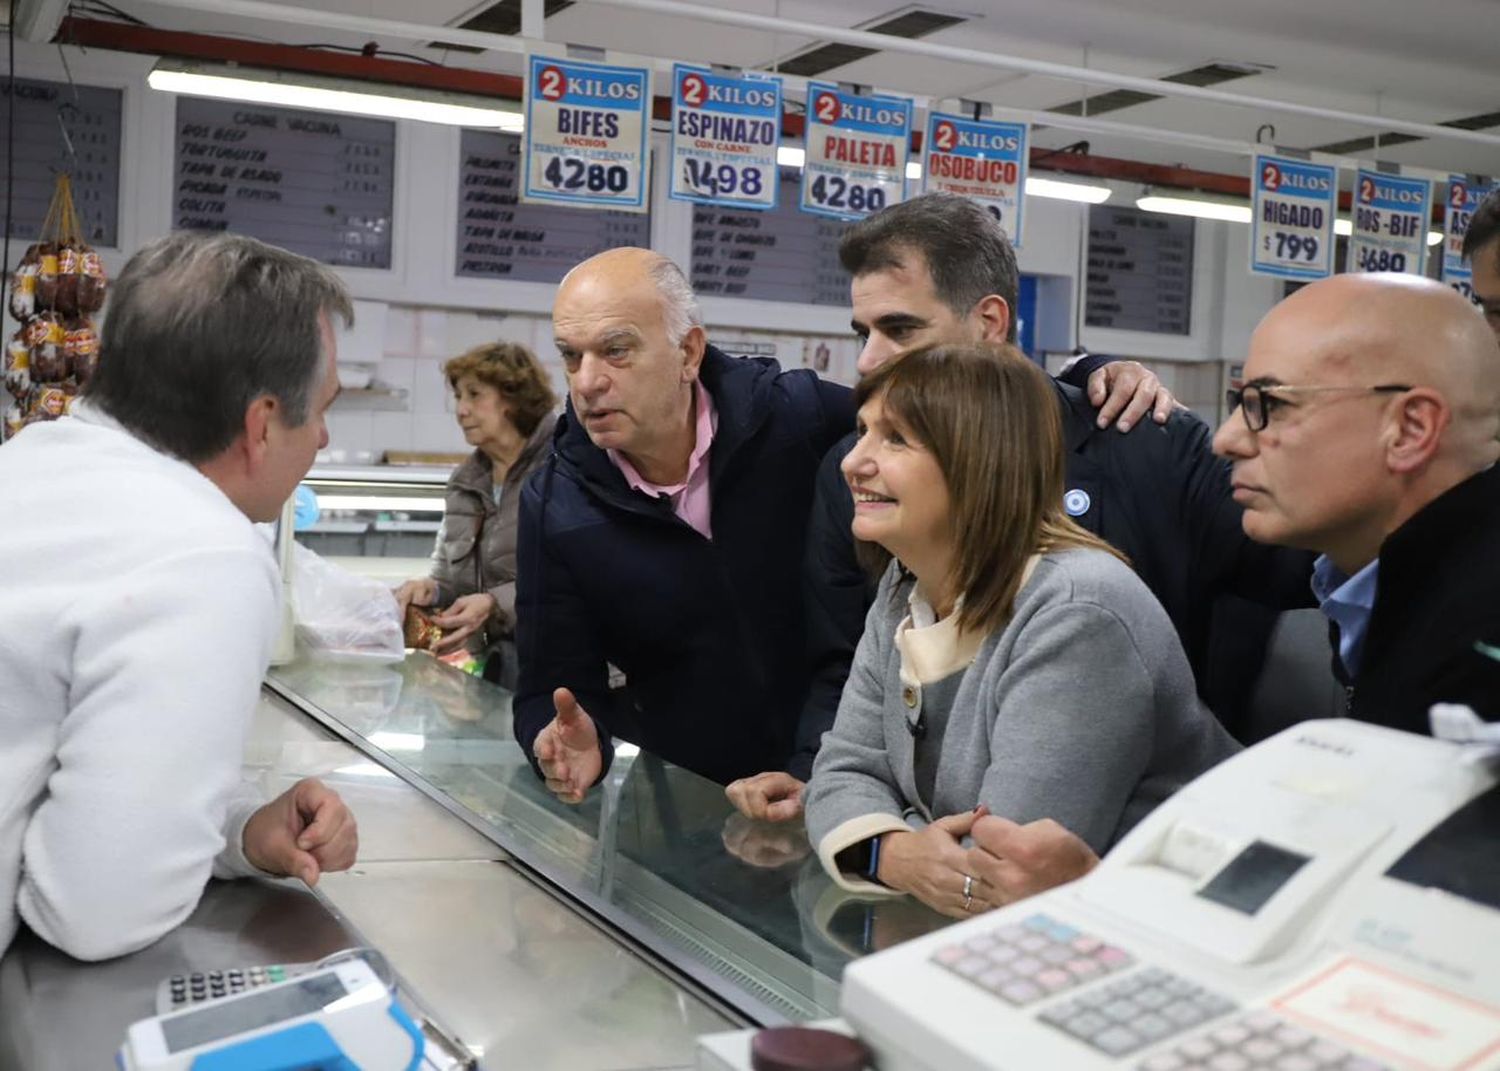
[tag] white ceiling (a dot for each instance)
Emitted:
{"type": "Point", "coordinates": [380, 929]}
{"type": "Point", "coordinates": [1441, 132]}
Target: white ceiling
{"type": "Point", "coordinates": [1425, 62]}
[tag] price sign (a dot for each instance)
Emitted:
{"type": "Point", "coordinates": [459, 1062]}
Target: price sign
{"type": "Point", "coordinates": [1390, 223]}
{"type": "Point", "coordinates": [725, 131]}
{"type": "Point", "coordinates": [586, 134]}
{"type": "Point", "coordinates": [1295, 203]}
{"type": "Point", "coordinates": [985, 161]}
{"type": "Point", "coordinates": [1464, 195]}
{"type": "Point", "coordinates": [856, 152]}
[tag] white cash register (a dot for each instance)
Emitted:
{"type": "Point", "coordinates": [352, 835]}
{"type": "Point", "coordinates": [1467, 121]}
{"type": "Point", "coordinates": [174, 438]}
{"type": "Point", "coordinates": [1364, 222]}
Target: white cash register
{"type": "Point", "coordinates": [1329, 899]}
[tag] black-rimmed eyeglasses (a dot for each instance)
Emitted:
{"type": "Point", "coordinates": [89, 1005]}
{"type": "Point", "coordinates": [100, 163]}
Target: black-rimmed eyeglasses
{"type": "Point", "coordinates": [1257, 401]}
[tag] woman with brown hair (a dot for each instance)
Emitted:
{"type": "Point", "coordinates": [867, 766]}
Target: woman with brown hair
{"type": "Point", "coordinates": [1012, 663]}
{"type": "Point", "coordinates": [506, 408]}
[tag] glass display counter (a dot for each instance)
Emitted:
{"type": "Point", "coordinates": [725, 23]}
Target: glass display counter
{"type": "Point", "coordinates": [655, 851]}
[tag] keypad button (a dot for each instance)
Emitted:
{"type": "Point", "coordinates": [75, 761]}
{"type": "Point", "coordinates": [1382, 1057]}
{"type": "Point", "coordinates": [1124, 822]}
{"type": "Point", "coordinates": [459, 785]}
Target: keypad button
{"type": "Point", "coordinates": [1230, 1035]}
{"type": "Point", "coordinates": [1033, 943]}
{"type": "Point", "coordinates": [1295, 1061]}
{"type": "Point", "coordinates": [995, 979]}
{"type": "Point", "coordinates": [948, 955]}
{"type": "Point", "coordinates": [1122, 1010]}
{"type": "Point", "coordinates": [1027, 966]}
{"type": "Point", "coordinates": [981, 944]}
{"type": "Point", "coordinates": [1083, 969]}
{"type": "Point", "coordinates": [1262, 1049]}
{"type": "Point", "coordinates": [1113, 957]}
{"type": "Point", "coordinates": [1021, 992]}
{"type": "Point", "coordinates": [1153, 999]}
{"type": "Point", "coordinates": [1087, 1024]}
{"type": "Point", "coordinates": [1056, 955]}
{"type": "Point", "coordinates": [1054, 980]}
{"type": "Point", "coordinates": [1199, 1048]}
{"type": "Point", "coordinates": [1003, 953]}
{"type": "Point", "coordinates": [1184, 1013]}
{"type": "Point", "coordinates": [1361, 1063]}
{"type": "Point", "coordinates": [1290, 1036]}
{"type": "Point", "coordinates": [1326, 1052]}
{"type": "Point", "coordinates": [1038, 923]}
{"type": "Point", "coordinates": [1228, 1061]}
{"type": "Point", "coordinates": [1117, 1041]}
{"type": "Point", "coordinates": [1086, 945]}
{"type": "Point", "coordinates": [1163, 1061]}
{"type": "Point", "coordinates": [1153, 1027]}
{"type": "Point", "coordinates": [972, 966]}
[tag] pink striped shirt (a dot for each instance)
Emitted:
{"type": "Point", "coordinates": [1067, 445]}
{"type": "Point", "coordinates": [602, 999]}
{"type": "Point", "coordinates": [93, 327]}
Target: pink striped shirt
{"type": "Point", "coordinates": [690, 497]}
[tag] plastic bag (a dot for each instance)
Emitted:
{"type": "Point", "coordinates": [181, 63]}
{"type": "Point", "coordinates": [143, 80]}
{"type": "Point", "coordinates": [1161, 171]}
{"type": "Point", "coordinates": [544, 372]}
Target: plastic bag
{"type": "Point", "coordinates": [342, 617]}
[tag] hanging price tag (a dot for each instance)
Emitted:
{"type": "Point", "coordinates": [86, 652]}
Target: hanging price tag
{"type": "Point", "coordinates": [725, 131]}
{"type": "Point", "coordinates": [586, 134]}
{"type": "Point", "coordinates": [985, 161]}
{"type": "Point", "coordinates": [857, 148]}
{"type": "Point", "coordinates": [1464, 195]}
{"type": "Point", "coordinates": [1295, 203]}
{"type": "Point", "coordinates": [1390, 223]}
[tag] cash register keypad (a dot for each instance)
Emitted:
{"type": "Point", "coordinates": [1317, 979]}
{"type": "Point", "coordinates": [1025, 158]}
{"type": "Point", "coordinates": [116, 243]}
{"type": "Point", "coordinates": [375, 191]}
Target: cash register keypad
{"type": "Point", "coordinates": [1038, 957]}
{"type": "Point", "coordinates": [1258, 1041]}
{"type": "Point", "coordinates": [1139, 1009]}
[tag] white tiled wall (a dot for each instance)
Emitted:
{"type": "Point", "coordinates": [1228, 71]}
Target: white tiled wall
{"type": "Point", "coordinates": [415, 342]}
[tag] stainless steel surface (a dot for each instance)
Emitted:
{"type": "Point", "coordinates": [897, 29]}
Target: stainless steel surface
{"type": "Point", "coordinates": [740, 908]}
{"type": "Point", "coordinates": [497, 959]}
{"type": "Point", "coordinates": [524, 982]}
{"type": "Point", "coordinates": [62, 1015]}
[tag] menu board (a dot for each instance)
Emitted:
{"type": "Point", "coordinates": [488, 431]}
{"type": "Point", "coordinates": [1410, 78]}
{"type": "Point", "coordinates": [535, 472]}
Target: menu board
{"type": "Point", "coordinates": [782, 254]}
{"type": "Point", "coordinates": [50, 116]}
{"type": "Point", "coordinates": [316, 183]}
{"type": "Point", "coordinates": [1140, 271]}
{"type": "Point", "coordinates": [535, 243]}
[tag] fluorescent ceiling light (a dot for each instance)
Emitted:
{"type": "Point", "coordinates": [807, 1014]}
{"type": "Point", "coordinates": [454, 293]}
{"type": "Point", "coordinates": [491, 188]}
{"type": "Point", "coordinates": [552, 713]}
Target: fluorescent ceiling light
{"type": "Point", "coordinates": [790, 156]}
{"type": "Point", "coordinates": [1067, 191]}
{"type": "Point", "coordinates": [398, 741]}
{"type": "Point", "coordinates": [1434, 237]}
{"type": "Point", "coordinates": [380, 503]}
{"type": "Point", "coordinates": [295, 90]}
{"type": "Point", "coordinates": [1346, 228]}
{"type": "Point", "coordinates": [1191, 206]}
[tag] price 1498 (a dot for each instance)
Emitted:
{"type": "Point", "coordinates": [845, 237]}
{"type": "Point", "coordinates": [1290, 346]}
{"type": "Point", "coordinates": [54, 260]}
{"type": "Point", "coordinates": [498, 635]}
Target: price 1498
{"type": "Point", "coordinates": [723, 180]}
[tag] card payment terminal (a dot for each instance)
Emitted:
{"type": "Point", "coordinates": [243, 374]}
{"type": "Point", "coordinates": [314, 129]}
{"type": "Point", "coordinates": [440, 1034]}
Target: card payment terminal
{"type": "Point", "coordinates": [1328, 900]}
{"type": "Point", "coordinates": [341, 1017]}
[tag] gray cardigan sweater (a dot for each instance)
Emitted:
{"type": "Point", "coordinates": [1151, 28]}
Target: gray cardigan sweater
{"type": "Point", "coordinates": [1081, 709]}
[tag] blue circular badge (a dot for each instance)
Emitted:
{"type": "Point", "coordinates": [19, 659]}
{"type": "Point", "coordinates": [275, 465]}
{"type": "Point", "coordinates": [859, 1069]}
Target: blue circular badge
{"type": "Point", "coordinates": [1077, 502]}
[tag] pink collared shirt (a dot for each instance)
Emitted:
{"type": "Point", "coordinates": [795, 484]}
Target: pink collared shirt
{"type": "Point", "coordinates": [690, 497]}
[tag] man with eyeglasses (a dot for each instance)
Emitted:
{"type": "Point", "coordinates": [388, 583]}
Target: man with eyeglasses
{"type": "Point", "coordinates": [1367, 430]}
{"type": "Point", "coordinates": [1482, 250]}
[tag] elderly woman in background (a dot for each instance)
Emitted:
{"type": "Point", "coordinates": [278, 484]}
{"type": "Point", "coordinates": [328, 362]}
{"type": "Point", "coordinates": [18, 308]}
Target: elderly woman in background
{"type": "Point", "coordinates": [506, 408]}
{"type": "Point", "coordinates": [1012, 663]}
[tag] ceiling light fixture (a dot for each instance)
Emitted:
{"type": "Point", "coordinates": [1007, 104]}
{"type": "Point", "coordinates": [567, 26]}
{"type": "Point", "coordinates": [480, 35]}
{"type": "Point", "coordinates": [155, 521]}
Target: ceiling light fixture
{"type": "Point", "coordinates": [294, 89]}
{"type": "Point", "coordinates": [1192, 206]}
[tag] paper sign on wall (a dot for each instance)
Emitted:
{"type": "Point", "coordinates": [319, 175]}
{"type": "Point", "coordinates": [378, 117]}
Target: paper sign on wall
{"type": "Point", "coordinates": [984, 161]}
{"type": "Point", "coordinates": [725, 132]}
{"type": "Point", "coordinates": [1390, 223]}
{"type": "Point", "coordinates": [857, 148]}
{"type": "Point", "coordinates": [1464, 195]}
{"type": "Point", "coordinates": [586, 134]}
{"type": "Point", "coordinates": [1295, 203]}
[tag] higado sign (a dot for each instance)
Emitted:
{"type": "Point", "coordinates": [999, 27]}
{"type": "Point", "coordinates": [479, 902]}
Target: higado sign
{"type": "Point", "coordinates": [1295, 202]}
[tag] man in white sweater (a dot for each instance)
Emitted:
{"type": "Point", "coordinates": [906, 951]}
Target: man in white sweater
{"type": "Point", "coordinates": [138, 604]}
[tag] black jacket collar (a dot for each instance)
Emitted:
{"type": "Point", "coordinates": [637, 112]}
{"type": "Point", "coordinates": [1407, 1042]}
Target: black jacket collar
{"type": "Point", "coordinates": [741, 389]}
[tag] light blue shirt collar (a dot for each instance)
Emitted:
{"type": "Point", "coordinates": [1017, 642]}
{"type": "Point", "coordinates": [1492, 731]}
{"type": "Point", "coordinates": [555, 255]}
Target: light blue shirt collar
{"type": "Point", "coordinates": [1348, 602]}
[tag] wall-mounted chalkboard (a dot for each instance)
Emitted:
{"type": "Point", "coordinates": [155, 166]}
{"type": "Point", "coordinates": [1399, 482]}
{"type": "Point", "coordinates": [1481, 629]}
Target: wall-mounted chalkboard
{"type": "Point", "coordinates": [49, 117]}
{"type": "Point", "coordinates": [318, 184]}
{"type": "Point", "coordinates": [1140, 271]}
{"type": "Point", "coordinates": [534, 243]}
{"type": "Point", "coordinates": [782, 254]}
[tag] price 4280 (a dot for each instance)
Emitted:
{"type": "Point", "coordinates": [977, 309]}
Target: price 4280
{"type": "Point", "coordinates": [1292, 246]}
{"type": "Point", "coordinates": [569, 173]}
{"type": "Point", "coordinates": [831, 191]}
